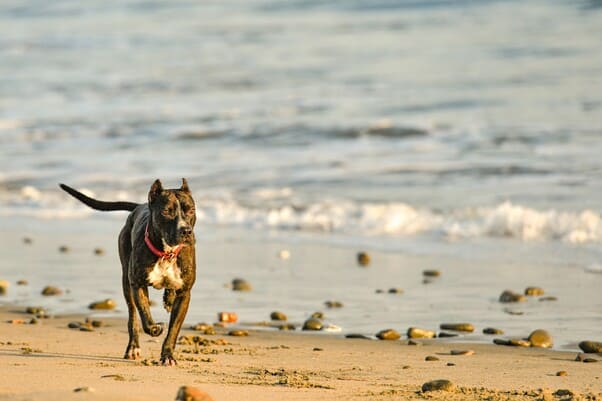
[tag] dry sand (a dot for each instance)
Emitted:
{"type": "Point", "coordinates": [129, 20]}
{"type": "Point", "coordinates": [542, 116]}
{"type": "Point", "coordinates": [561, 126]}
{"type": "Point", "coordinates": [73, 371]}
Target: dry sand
{"type": "Point", "coordinates": [48, 361]}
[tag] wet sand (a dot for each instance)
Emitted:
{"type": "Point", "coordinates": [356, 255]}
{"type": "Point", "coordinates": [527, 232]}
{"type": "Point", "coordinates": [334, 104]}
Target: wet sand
{"type": "Point", "coordinates": [48, 361]}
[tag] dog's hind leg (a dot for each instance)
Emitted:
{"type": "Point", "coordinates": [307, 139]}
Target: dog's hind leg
{"type": "Point", "coordinates": [148, 324]}
{"type": "Point", "coordinates": [133, 349]}
{"type": "Point", "coordinates": [178, 313]}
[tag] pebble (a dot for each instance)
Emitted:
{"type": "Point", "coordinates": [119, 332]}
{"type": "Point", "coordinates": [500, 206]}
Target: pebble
{"type": "Point", "coordinates": [395, 290]}
{"type": "Point", "coordinates": [99, 251]}
{"type": "Point", "coordinates": [189, 393]}
{"type": "Point", "coordinates": [519, 342]}
{"type": "Point", "coordinates": [431, 273]}
{"type": "Point", "coordinates": [388, 334]}
{"type": "Point", "coordinates": [363, 259]}
{"type": "Point", "coordinates": [534, 291]}
{"type": "Point", "coordinates": [227, 317]}
{"type": "Point", "coordinates": [467, 327]}
{"type": "Point", "coordinates": [544, 299]}
{"type": "Point", "coordinates": [412, 342]}
{"type": "Point", "coordinates": [461, 352]}
{"type": "Point", "coordinates": [540, 339]}
{"type": "Point", "coordinates": [276, 315]}
{"type": "Point", "coordinates": [355, 335]}
{"type": "Point", "coordinates": [312, 324]}
{"type": "Point", "coordinates": [74, 325]}
{"type": "Point", "coordinates": [431, 358]}
{"type": "Point", "coordinates": [333, 304]}
{"type": "Point", "coordinates": [416, 332]}
{"type": "Point", "coordinates": [22, 282]}
{"type": "Point", "coordinates": [492, 330]}
{"type": "Point", "coordinates": [238, 333]}
{"type": "Point", "coordinates": [4, 287]}
{"type": "Point", "coordinates": [27, 240]}
{"type": "Point", "coordinates": [562, 373]}
{"type": "Point", "coordinates": [95, 323]}
{"type": "Point", "coordinates": [50, 291]}
{"type": "Point", "coordinates": [444, 334]}
{"type": "Point", "coordinates": [508, 296]}
{"type": "Point", "coordinates": [34, 310]}
{"type": "Point", "coordinates": [64, 249]}
{"type": "Point", "coordinates": [204, 328]}
{"type": "Point", "coordinates": [317, 315]}
{"type": "Point", "coordinates": [438, 385]}
{"type": "Point", "coordinates": [239, 284]}
{"type": "Point", "coordinates": [591, 347]}
{"type": "Point", "coordinates": [107, 304]}
{"type": "Point", "coordinates": [590, 360]}
{"type": "Point", "coordinates": [379, 291]}
{"type": "Point", "coordinates": [287, 326]}
{"type": "Point", "coordinates": [451, 364]}
{"type": "Point", "coordinates": [318, 349]}
{"type": "Point", "coordinates": [84, 389]}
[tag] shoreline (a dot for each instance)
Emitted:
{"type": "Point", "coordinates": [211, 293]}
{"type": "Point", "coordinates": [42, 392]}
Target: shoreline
{"type": "Point", "coordinates": [48, 361]}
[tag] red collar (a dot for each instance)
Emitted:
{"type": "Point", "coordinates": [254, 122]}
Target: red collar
{"type": "Point", "coordinates": [161, 254]}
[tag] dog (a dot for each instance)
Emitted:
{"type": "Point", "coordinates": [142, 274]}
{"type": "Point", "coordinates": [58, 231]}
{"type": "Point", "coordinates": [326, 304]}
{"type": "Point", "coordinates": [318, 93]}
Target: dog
{"type": "Point", "coordinates": [156, 248]}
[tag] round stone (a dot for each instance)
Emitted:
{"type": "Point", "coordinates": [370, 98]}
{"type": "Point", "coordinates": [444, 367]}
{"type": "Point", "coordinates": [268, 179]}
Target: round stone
{"type": "Point", "coordinates": [431, 273]}
{"type": "Point", "coordinates": [395, 291]}
{"type": "Point", "coordinates": [541, 339]}
{"type": "Point", "coordinates": [431, 358]}
{"type": "Point", "coordinates": [22, 282]}
{"type": "Point", "coordinates": [107, 304]}
{"type": "Point", "coordinates": [318, 315]}
{"type": "Point", "coordinates": [438, 385]}
{"type": "Point", "coordinates": [333, 304]}
{"type": "Point", "coordinates": [388, 334]}
{"type": "Point", "coordinates": [287, 327]}
{"type": "Point", "coordinates": [99, 251]}
{"type": "Point", "coordinates": [64, 249]}
{"type": "Point", "coordinates": [509, 296]}
{"type": "Point", "coordinates": [493, 331]}
{"type": "Point", "coordinates": [467, 327]}
{"type": "Point", "coordinates": [50, 291]}
{"type": "Point", "coordinates": [363, 259]}
{"type": "Point", "coordinates": [312, 324]}
{"type": "Point", "coordinates": [239, 284]}
{"type": "Point", "coordinates": [238, 333]}
{"type": "Point", "coordinates": [74, 325]}
{"type": "Point", "coordinates": [416, 332]}
{"type": "Point", "coordinates": [534, 291]}
{"type": "Point", "coordinates": [277, 315]}
{"type": "Point", "coordinates": [27, 240]}
{"type": "Point", "coordinates": [591, 347]}
{"type": "Point", "coordinates": [562, 373]}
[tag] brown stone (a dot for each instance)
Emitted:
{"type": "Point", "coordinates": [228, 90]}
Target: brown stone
{"type": "Point", "coordinates": [395, 291]}
{"type": "Point", "coordinates": [99, 251]}
{"type": "Point", "coordinates": [333, 304]}
{"type": "Point", "coordinates": [279, 316]}
{"type": "Point", "coordinates": [534, 291]}
{"type": "Point", "coordinates": [467, 327]}
{"type": "Point", "coordinates": [438, 385]}
{"type": "Point", "coordinates": [541, 339]}
{"type": "Point", "coordinates": [431, 273]}
{"type": "Point", "coordinates": [591, 347]}
{"type": "Point", "coordinates": [461, 352]}
{"type": "Point", "coordinates": [562, 373]}
{"type": "Point", "coordinates": [238, 333]}
{"type": "Point", "coordinates": [416, 332]}
{"type": "Point", "coordinates": [22, 282]}
{"type": "Point", "coordinates": [493, 331]}
{"type": "Point", "coordinates": [388, 334]}
{"type": "Point", "coordinates": [363, 259]}
{"type": "Point", "coordinates": [508, 296]}
{"type": "Point", "coordinates": [239, 284]}
{"type": "Point", "coordinates": [318, 315]}
{"type": "Point", "coordinates": [431, 358]}
{"type": "Point", "coordinates": [4, 287]}
{"type": "Point", "coordinates": [64, 249]}
{"type": "Point", "coordinates": [107, 304]}
{"type": "Point", "coordinates": [312, 324]}
{"type": "Point", "coordinates": [51, 291]}
{"type": "Point", "coordinates": [519, 342]}
{"type": "Point", "coordinates": [189, 393]}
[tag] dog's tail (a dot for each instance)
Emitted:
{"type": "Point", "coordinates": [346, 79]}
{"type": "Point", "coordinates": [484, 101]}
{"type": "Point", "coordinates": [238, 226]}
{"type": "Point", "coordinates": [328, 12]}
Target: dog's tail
{"type": "Point", "coordinates": [98, 204]}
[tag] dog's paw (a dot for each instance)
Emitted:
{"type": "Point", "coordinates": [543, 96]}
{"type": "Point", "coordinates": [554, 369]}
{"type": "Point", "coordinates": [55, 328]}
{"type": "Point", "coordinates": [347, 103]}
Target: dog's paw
{"type": "Point", "coordinates": [168, 360]}
{"type": "Point", "coordinates": [132, 353]}
{"type": "Point", "coordinates": [155, 330]}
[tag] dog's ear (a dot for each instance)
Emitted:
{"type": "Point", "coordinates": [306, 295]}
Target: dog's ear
{"type": "Point", "coordinates": [184, 186]}
{"type": "Point", "coordinates": [155, 191]}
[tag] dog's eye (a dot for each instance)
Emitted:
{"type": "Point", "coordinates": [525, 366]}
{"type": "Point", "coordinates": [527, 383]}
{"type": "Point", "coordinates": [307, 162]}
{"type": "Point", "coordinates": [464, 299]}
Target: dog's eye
{"type": "Point", "coordinates": [167, 212]}
{"type": "Point", "coordinates": [190, 212]}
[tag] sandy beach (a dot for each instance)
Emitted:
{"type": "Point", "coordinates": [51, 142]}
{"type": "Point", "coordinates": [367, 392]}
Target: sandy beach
{"type": "Point", "coordinates": [49, 361]}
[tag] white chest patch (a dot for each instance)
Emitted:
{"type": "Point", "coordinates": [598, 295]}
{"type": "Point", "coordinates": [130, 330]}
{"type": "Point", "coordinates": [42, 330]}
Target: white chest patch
{"type": "Point", "coordinates": [166, 274]}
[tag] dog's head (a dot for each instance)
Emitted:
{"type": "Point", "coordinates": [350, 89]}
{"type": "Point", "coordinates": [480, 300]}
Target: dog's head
{"type": "Point", "coordinates": [172, 213]}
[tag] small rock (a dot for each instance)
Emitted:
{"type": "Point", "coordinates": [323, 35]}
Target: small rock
{"type": "Point", "coordinates": [416, 332]}
{"type": "Point", "coordinates": [238, 333]}
{"type": "Point", "coordinates": [284, 254]}
{"type": "Point", "coordinates": [493, 331]}
{"type": "Point", "coordinates": [534, 291]}
{"type": "Point", "coordinates": [358, 336]}
{"type": "Point", "coordinates": [312, 324]}
{"type": "Point", "coordinates": [431, 358]}
{"type": "Point", "coordinates": [96, 323]}
{"type": "Point", "coordinates": [227, 317]}
{"type": "Point", "coordinates": [189, 393]}
{"type": "Point", "coordinates": [107, 304]}
{"type": "Point", "coordinates": [34, 310]}
{"type": "Point", "coordinates": [64, 249]}
{"type": "Point", "coordinates": [513, 312]}
{"type": "Point", "coordinates": [287, 326]}
{"type": "Point", "coordinates": [564, 393]}
{"type": "Point", "coordinates": [317, 315]}
{"type": "Point", "coordinates": [451, 364]}
{"type": "Point", "coordinates": [74, 325]}
{"type": "Point", "coordinates": [591, 347]}
{"type": "Point", "coordinates": [318, 349]}
{"type": "Point", "coordinates": [51, 291]}
{"type": "Point", "coordinates": [508, 296]}
{"type": "Point", "coordinates": [333, 304]}
{"type": "Point", "coordinates": [590, 360]}
{"type": "Point", "coordinates": [395, 291]}
{"type": "Point", "coordinates": [467, 327]}
{"type": "Point", "coordinates": [562, 373]}
{"type": "Point", "coordinates": [431, 273]}
{"type": "Point", "coordinates": [550, 298]}
{"type": "Point", "coordinates": [388, 334]}
{"type": "Point", "coordinates": [461, 352]}
{"type": "Point", "coordinates": [541, 339]}
{"type": "Point", "coordinates": [86, 327]}
{"type": "Point", "coordinates": [27, 240]}
{"type": "Point", "coordinates": [22, 282]}
{"type": "Point", "coordinates": [519, 342]}
{"type": "Point", "coordinates": [204, 328]}
{"type": "Point", "coordinates": [84, 390]}
{"type": "Point", "coordinates": [363, 259]}
{"type": "Point", "coordinates": [4, 287]}
{"type": "Point", "coordinates": [444, 334]}
{"type": "Point", "coordinates": [33, 321]}
{"type": "Point", "coordinates": [501, 341]}
{"type": "Point", "coordinates": [438, 385]}
{"type": "Point", "coordinates": [379, 291]}
{"type": "Point", "coordinates": [99, 251]}
{"type": "Point", "coordinates": [412, 342]}
{"type": "Point", "coordinates": [239, 284]}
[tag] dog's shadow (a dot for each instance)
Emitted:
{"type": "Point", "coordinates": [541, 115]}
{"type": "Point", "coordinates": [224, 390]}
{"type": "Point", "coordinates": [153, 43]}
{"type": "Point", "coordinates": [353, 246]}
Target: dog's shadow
{"type": "Point", "coordinates": [63, 355]}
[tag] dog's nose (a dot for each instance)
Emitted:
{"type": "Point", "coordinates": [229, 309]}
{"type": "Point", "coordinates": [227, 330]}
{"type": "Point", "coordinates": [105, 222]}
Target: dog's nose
{"type": "Point", "coordinates": [186, 230]}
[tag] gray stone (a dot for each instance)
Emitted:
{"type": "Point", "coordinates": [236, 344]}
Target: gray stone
{"type": "Point", "coordinates": [591, 347]}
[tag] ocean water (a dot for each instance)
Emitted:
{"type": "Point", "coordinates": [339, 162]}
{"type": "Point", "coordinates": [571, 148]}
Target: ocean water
{"type": "Point", "coordinates": [468, 130]}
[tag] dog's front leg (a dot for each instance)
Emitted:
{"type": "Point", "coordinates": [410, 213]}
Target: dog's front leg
{"type": "Point", "coordinates": [176, 319]}
{"type": "Point", "coordinates": [148, 325]}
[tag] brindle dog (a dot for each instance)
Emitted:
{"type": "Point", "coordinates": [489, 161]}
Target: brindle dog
{"type": "Point", "coordinates": [156, 247]}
